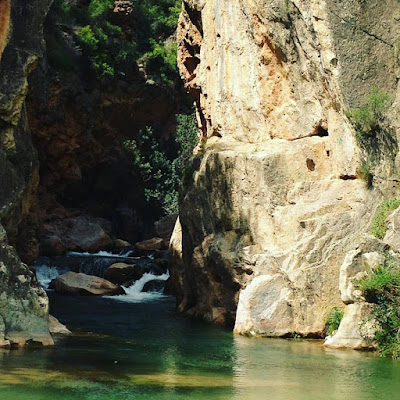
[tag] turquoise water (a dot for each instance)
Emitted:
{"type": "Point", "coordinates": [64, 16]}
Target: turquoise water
{"type": "Point", "coordinates": [124, 351]}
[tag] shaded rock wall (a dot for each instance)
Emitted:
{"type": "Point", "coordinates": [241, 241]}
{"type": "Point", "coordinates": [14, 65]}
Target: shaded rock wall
{"type": "Point", "coordinates": [23, 304]}
{"type": "Point", "coordinates": [276, 200]}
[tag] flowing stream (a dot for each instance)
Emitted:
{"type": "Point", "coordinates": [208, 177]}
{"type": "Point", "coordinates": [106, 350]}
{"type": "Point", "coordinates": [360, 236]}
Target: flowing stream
{"type": "Point", "coordinates": [138, 348]}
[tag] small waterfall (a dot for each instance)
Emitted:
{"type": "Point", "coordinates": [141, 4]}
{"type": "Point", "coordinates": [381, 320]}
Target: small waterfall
{"type": "Point", "coordinates": [48, 268]}
{"type": "Point", "coordinates": [134, 293]}
{"type": "Point", "coordinates": [45, 274]}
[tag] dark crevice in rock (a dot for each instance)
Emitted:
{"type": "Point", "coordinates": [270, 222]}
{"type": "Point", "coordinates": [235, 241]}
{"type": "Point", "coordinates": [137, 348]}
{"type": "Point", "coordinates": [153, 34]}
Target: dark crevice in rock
{"type": "Point", "coordinates": [322, 132]}
{"type": "Point", "coordinates": [348, 177]}
{"type": "Point", "coordinates": [191, 64]}
{"type": "Point", "coordinates": [195, 17]}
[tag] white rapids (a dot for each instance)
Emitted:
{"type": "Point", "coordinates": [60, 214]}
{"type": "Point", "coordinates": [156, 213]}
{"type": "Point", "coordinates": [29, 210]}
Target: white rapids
{"type": "Point", "coordinates": [134, 293]}
{"type": "Point", "coordinates": [45, 274]}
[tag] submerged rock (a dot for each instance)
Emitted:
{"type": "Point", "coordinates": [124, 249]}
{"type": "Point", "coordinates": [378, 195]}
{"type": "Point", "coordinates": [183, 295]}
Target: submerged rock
{"type": "Point", "coordinates": [84, 285]}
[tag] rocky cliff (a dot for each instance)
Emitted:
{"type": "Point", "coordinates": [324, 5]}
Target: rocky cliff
{"type": "Point", "coordinates": [278, 195]}
{"type": "Point", "coordinates": [23, 303]}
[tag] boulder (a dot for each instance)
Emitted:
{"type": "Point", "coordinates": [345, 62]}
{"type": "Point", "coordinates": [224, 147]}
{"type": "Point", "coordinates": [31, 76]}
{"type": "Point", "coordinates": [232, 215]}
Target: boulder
{"type": "Point", "coordinates": [159, 266]}
{"type": "Point", "coordinates": [155, 285]}
{"type": "Point", "coordinates": [119, 243]}
{"type": "Point", "coordinates": [120, 273]}
{"type": "Point", "coordinates": [84, 285]}
{"type": "Point", "coordinates": [77, 234]}
{"type": "Point", "coordinates": [52, 245]}
{"type": "Point", "coordinates": [56, 327]}
{"type": "Point", "coordinates": [165, 226]}
{"type": "Point", "coordinates": [150, 245]}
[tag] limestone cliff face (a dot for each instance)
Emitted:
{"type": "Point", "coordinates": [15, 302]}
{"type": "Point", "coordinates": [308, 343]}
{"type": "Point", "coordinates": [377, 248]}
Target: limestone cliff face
{"type": "Point", "coordinates": [23, 304]}
{"type": "Point", "coordinates": [276, 201]}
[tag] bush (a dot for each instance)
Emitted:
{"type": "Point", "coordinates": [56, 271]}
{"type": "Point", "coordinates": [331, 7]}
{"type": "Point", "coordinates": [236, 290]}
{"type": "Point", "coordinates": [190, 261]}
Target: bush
{"type": "Point", "coordinates": [333, 320]}
{"type": "Point", "coordinates": [374, 136]}
{"type": "Point", "coordinates": [162, 174]}
{"type": "Point", "coordinates": [114, 52]}
{"type": "Point", "coordinates": [382, 288]}
{"type": "Point", "coordinates": [367, 120]}
{"type": "Point", "coordinates": [379, 227]}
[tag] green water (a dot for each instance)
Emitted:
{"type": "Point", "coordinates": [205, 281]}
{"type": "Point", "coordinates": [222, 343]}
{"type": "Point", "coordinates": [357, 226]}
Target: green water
{"type": "Point", "coordinates": [124, 351]}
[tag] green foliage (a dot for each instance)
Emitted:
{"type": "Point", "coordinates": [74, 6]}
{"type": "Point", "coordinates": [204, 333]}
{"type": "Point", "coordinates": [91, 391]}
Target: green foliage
{"type": "Point", "coordinates": [382, 288]}
{"type": "Point", "coordinates": [333, 320]}
{"type": "Point", "coordinates": [379, 224]}
{"type": "Point", "coordinates": [99, 8]}
{"type": "Point", "coordinates": [114, 51]}
{"type": "Point", "coordinates": [373, 134]}
{"type": "Point", "coordinates": [162, 173]}
{"type": "Point", "coordinates": [105, 45]}
{"type": "Point", "coordinates": [367, 119]}
{"type": "Point", "coordinates": [163, 59]}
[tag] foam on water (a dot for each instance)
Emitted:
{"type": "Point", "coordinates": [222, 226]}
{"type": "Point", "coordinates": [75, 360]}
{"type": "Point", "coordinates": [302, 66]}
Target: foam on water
{"type": "Point", "coordinates": [45, 274]}
{"type": "Point", "coordinates": [134, 293]}
{"type": "Point", "coordinates": [101, 253]}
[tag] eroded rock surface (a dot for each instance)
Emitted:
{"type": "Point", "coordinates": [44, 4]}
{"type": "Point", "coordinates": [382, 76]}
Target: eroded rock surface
{"type": "Point", "coordinates": [23, 303]}
{"type": "Point", "coordinates": [276, 201]}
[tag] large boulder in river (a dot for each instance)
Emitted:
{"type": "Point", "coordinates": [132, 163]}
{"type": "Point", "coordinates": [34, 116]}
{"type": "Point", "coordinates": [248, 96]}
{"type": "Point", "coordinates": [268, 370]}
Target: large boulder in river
{"type": "Point", "coordinates": [84, 285]}
{"type": "Point", "coordinates": [121, 273]}
{"type": "Point", "coordinates": [78, 234]}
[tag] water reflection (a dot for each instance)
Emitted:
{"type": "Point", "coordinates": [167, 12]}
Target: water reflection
{"type": "Point", "coordinates": [126, 351]}
{"type": "Point", "coordinates": [303, 370]}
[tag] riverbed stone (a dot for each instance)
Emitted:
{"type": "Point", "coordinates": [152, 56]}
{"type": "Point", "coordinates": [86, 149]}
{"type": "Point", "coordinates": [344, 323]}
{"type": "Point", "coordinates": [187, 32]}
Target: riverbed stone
{"type": "Point", "coordinates": [73, 283]}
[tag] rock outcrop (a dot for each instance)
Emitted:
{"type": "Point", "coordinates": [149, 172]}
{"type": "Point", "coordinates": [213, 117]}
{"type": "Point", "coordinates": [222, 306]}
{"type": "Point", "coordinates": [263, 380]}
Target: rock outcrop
{"type": "Point", "coordinates": [276, 199]}
{"type": "Point", "coordinates": [23, 303]}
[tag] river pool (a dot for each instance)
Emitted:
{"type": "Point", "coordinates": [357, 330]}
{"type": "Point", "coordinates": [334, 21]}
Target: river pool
{"type": "Point", "coordinates": [141, 350]}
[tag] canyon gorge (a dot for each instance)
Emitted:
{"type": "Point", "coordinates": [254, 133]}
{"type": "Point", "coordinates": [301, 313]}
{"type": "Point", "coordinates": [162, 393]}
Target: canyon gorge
{"type": "Point", "coordinates": [280, 195]}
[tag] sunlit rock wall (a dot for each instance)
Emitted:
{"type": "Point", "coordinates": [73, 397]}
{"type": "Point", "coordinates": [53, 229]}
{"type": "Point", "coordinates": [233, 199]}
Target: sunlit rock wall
{"type": "Point", "coordinates": [276, 201]}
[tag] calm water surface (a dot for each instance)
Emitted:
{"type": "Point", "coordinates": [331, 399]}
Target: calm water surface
{"type": "Point", "coordinates": [124, 351]}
